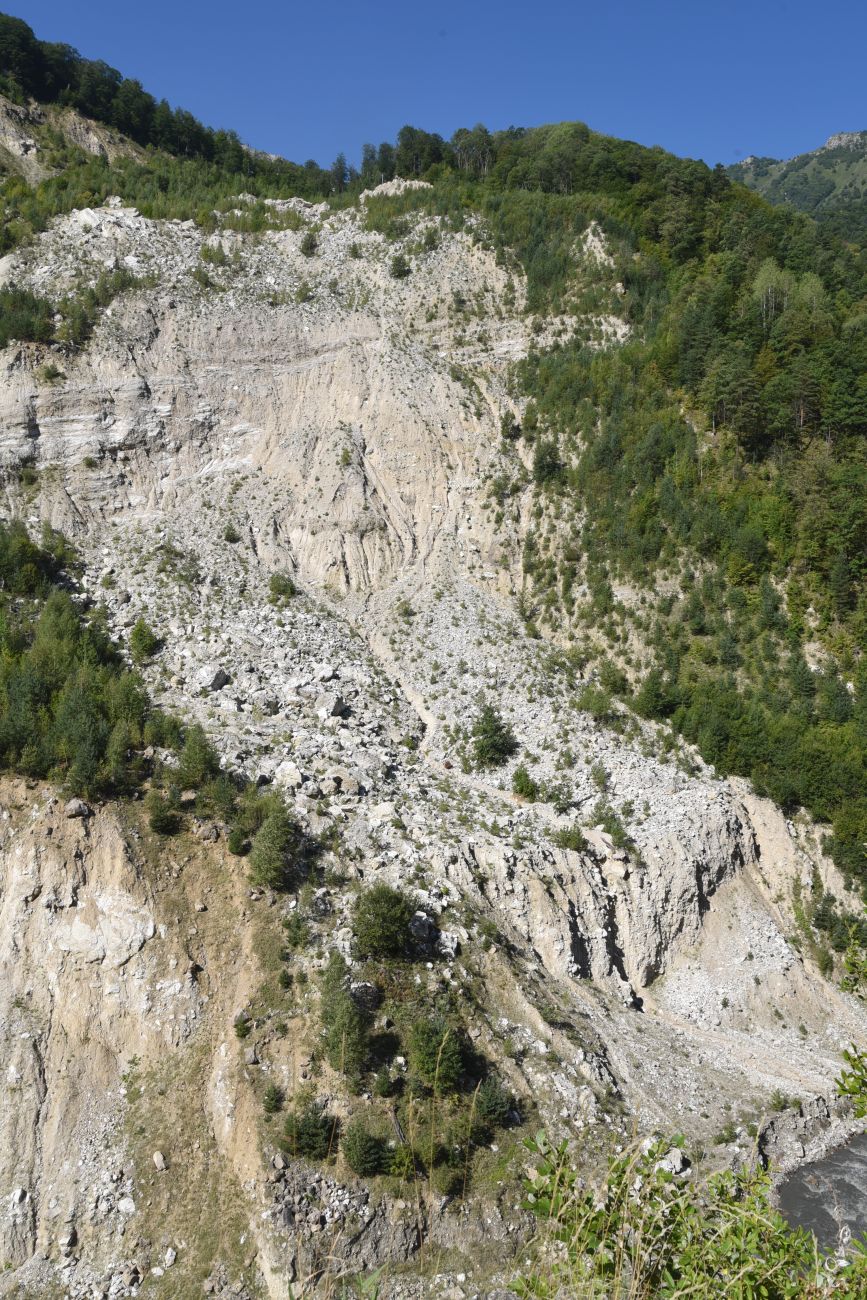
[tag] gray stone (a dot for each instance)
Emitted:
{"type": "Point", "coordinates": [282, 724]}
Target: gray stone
{"type": "Point", "coordinates": [289, 775]}
{"type": "Point", "coordinates": [77, 808]}
{"type": "Point", "coordinates": [330, 705]}
{"type": "Point", "coordinates": [673, 1162]}
{"type": "Point", "coordinates": [422, 929]}
{"type": "Point", "coordinates": [448, 944]}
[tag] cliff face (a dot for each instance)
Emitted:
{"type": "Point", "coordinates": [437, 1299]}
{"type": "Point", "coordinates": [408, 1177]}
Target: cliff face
{"type": "Point", "coordinates": [263, 410]}
{"type": "Point", "coordinates": [90, 982]}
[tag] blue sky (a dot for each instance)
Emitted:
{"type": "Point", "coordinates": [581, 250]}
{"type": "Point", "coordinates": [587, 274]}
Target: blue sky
{"type": "Point", "coordinates": [705, 79]}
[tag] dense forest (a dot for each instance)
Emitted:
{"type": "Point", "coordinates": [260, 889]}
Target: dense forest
{"type": "Point", "coordinates": [714, 462]}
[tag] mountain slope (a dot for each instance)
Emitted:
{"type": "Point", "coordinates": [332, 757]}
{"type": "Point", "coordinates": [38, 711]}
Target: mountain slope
{"type": "Point", "coordinates": [317, 415]}
{"type": "Point", "coordinates": [494, 526]}
{"type": "Point", "coordinates": [829, 183]}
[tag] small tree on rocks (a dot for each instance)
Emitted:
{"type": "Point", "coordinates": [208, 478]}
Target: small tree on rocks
{"type": "Point", "coordinates": [364, 1153]}
{"type": "Point", "coordinates": [436, 1054]}
{"type": "Point", "coordinates": [199, 761]}
{"type": "Point", "coordinates": [381, 922]}
{"type": "Point", "coordinates": [143, 642]}
{"type": "Point", "coordinates": [275, 851]}
{"type": "Point", "coordinates": [494, 740]}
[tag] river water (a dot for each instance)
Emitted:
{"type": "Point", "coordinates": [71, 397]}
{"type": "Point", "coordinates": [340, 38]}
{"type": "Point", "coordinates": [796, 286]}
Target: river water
{"type": "Point", "coordinates": [829, 1193]}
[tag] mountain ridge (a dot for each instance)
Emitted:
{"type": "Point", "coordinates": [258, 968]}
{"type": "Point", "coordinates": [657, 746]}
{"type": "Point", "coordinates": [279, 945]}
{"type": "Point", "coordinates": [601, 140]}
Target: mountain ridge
{"type": "Point", "coordinates": [829, 183]}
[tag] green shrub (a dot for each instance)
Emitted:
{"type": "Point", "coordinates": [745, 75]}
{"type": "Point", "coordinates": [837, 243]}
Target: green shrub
{"type": "Point", "coordinates": [231, 534]}
{"type": "Point", "coordinates": [510, 429]}
{"type": "Point", "coordinates": [524, 785]}
{"type": "Point", "coordinates": [296, 930]}
{"type": "Point", "coordinates": [272, 1101]}
{"type": "Point", "coordinates": [571, 837]}
{"type": "Point", "coordinates": [346, 1043]}
{"type": "Point", "coordinates": [494, 742]}
{"type": "Point", "coordinates": [380, 922]}
{"type": "Point", "coordinates": [213, 253]}
{"type": "Point", "coordinates": [311, 1133]}
{"type": "Point", "coordinates": [605, 816]}
{"type": "Point", "coordinates": [399, 268]}
{"type": "Point", "coordinates": [599, 776]}
{"type": "Point", "coordinates": [237, 843]}
{"type": "Point", "coordinates": [202, 279]}
{"type": "Point", "coordinates": [199, 761]}
{"type": "Point", "coordinates": [401, 1162]}
{"type": "Point", "coordinates": [161, 729]}
{"type": "Point", "coordinates": [24, 316]}
{"type": "Point", "coordinates": [672, 1237]}
{"type": "Point", "coordinates": [559, 796]}
{"type": "Point", "coordinates": [493, 1103]}
{"type": "Point", "coordinates": [25, 568]}
{"type": "Point", "coordinates": [548, 469]}
{"type": "Point", "coordinates": [447, 1180]}
{"type": "Point", "coordinates": [280, 588]}
{"type": "Point", "coordinates": [382, 1083]}
{"type": "Point", "coordinates": [363, 1152]}
{"type": "Point", "coordinates": [309, 243]}
{"type": "Point", "coordinates": [436, 1053]}
{"type": "Point", "coordinates": [852, 1080]}
{"type": "Point", "coordinates": [597, 702]}
{"type": "Point", "coordinates": [162, 815]}
{"type": "Point", "coordinates": [276, 851]}
{"type": "Point", "coordinates": [143, 642]}
{"type": "Point", "coordinates": [69, 708]}
{"type": "Point", "coordinates": [220, 793]}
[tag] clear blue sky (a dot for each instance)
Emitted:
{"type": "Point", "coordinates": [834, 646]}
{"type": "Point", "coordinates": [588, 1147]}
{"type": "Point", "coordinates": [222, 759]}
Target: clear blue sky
{"type": "Point", "coordinates": [702, 78]}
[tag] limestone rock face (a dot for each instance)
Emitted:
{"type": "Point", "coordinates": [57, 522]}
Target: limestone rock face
{"type": "Point", "coordinates": [83, 991]}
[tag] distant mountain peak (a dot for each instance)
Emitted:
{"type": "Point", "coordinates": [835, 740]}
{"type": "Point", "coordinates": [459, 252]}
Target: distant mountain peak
{"type": "Point", "coordinates": [847, 140]}
{"type": "Point", "coordinates": [829, 183]}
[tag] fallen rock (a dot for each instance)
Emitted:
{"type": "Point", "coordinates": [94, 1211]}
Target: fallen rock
{"type": "Point", "coordinates": [422, 929]}
{"type": "Point", "coordinates": [78, 808]}
{"type": "Point", "coordinates": [330, 705]}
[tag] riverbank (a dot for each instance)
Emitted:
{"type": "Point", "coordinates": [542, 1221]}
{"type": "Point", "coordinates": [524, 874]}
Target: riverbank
{"type": "Point", "coordinates": [812, 1132]}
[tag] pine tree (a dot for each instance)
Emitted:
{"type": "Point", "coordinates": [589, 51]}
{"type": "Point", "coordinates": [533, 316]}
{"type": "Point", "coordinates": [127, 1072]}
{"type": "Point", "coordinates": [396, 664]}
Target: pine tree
{"type": "Point", "coordinates": [275, 848]}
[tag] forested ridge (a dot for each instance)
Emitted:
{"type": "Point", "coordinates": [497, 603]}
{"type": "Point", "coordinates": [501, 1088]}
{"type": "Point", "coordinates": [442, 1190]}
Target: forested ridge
{"type": "Point", "coordinates": [714, 463]}
{"type": "Point", "coordinates": [829, 183]}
